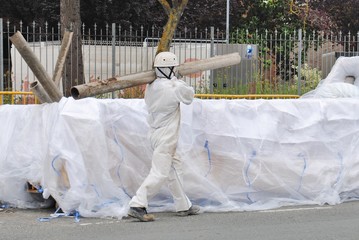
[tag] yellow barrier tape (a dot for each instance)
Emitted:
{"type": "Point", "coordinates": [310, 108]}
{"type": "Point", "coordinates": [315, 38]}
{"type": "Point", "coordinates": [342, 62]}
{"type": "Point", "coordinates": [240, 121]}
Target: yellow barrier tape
{"type": "Point", "coordinates": [30, 98]}
{"type": "Point", "coordinates": [246, 96]}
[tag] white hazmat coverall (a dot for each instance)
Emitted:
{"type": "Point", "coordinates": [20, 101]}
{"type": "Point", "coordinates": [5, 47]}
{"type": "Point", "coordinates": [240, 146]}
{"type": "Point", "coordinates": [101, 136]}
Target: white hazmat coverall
{"type": "Point", "coordinates": [163, 98]}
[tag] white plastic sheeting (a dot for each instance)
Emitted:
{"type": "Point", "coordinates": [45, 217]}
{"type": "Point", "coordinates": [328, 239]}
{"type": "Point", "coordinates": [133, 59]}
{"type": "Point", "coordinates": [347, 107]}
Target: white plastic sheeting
{"type": "Point", "coordinates": [239, 155]}
{"type": "Point", "coordinates": [341, 82]}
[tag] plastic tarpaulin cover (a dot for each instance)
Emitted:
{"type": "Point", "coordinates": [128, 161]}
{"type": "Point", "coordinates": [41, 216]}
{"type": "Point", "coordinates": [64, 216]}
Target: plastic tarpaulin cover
{"type": "Point", "coordinates": [341, 82]}
{"type": "Point", "coordinates": [91, 155]}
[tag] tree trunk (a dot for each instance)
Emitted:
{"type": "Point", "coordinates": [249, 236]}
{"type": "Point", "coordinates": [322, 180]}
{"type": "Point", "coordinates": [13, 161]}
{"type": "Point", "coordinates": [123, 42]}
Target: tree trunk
{"type": "Point", "coordinates": [74, 69]}
{"type": "Point", "coordinates": [174, 14]}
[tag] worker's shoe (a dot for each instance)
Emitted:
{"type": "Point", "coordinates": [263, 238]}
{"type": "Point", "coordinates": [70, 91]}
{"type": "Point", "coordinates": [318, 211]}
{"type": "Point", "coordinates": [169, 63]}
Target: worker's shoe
{"type": "Point", "coordinates": [141, 214]}
{"type": "Point", "coordinates": [194, 210]}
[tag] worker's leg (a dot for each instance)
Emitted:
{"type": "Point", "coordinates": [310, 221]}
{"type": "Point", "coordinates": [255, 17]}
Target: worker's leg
{"type": "Point", "coordinates": [161, 165]}
{"type": "Point", "coordinates": [175, 181]}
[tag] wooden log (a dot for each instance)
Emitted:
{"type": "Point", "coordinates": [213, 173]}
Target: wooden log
{"type": "Point", "coordinates": [132, 80]}
{"type": "Point", "coordinates": [36, 67]}
{"type": "Point", "coordinates": [40, 92]}
{"type": "Point", "coordinates": [59, 67]}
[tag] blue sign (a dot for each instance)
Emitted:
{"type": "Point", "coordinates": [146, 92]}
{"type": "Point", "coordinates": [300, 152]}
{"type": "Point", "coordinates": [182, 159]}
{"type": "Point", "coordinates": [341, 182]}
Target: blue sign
{"type": "Point", "coordinates": [249, 51]}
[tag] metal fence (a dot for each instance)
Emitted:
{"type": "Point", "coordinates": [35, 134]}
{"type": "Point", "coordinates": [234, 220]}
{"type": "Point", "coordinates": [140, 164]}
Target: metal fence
{"type": "Point", "coordinates": [272, 62]}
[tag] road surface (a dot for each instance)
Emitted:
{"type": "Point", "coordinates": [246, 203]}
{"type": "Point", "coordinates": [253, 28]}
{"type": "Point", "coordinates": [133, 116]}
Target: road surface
{"type": "Point", "coordinates": [339, 222]}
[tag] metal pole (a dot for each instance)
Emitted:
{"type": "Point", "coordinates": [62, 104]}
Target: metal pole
{"type": "Point", "coordinates": [211, 77]}
{"type": "Point", "coordinates": [300, 46]}
{"type": "Point", "coordinates": [227, 23]}
{"type": "Point", "coordinates": [113, 53]}
{"type": "Point", "coordinates": [1, 57]}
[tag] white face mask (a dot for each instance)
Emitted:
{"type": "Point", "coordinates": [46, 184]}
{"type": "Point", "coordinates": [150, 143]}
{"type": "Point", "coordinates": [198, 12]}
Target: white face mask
{"type": "Point", "coordinates": [165, 72]}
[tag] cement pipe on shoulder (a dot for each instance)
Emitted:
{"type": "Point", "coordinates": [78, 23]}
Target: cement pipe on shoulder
{"type": "Point", "coordinates": [132, 80]}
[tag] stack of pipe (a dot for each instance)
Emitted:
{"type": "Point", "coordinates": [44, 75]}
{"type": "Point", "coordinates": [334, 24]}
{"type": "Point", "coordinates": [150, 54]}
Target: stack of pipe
{"type": "Point", "coordinates": [46, 89]}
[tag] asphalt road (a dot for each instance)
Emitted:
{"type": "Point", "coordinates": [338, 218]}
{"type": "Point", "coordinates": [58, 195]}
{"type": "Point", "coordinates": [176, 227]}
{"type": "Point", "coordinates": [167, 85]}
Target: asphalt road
{"type": "Point", "coordinates": [339, 222]}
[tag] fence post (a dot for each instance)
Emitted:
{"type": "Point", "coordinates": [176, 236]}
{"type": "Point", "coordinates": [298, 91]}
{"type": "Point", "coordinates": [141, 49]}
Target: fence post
{"type": "Point", "coordinates": [1, 57]}
{"type": "Point", "coordinates": [113, 53]}
{"type": "Point", "coordinates": [211, 77]}
{"type": "Point", "coordinates": [299, 69]}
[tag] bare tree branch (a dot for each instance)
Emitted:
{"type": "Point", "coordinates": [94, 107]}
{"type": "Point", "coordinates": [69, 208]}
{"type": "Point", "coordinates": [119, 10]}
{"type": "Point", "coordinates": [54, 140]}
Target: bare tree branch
{"type": "Point", "coordinates": [169, 29]}
{"type": "Point", "coordinates": [166, 6]}
{"type": "Point", "coordinates": [174, 3]}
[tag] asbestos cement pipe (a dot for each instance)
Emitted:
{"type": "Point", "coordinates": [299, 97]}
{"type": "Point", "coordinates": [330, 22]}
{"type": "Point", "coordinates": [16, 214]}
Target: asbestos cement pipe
{"type": "Point", "coordinates": [216, 62]}
{"type": "Point", "coordinates": [36, 67]}
{"type": "Point", "coordinates": [59, 67]}
{"type": "Point", "coordinates": [132, 80]}
{"type": "Point", "coordinates": [40, 92]}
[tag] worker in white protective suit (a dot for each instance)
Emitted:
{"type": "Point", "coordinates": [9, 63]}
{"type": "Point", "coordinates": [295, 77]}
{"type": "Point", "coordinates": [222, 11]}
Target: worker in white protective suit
{"type": "Point", "coordinates": [163, 97]}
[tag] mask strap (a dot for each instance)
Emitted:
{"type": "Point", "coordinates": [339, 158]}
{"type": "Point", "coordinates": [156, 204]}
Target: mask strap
{"type": "Point", "coordinates": [169, 76]}
{"type": "Point", "coordinates": [172, 68]}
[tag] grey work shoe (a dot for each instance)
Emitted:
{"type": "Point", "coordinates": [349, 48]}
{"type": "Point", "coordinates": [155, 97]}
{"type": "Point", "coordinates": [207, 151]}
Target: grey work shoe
{"type": "Point", "coordinates": [141, 214]}
{"type": "Point", "coordinates": [194, 210]}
